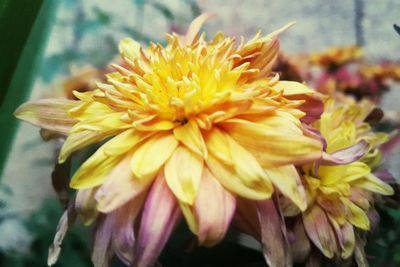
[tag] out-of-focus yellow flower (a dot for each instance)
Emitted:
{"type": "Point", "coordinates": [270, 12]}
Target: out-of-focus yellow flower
{"type": "Point", "coordinates": [189, 127]}
{"type": "Point", "coordinates": [336, 56]}
{"type": "Point", "coordinates": [339, 195]}
{"type": "Point", "coordinates": [382, 71]}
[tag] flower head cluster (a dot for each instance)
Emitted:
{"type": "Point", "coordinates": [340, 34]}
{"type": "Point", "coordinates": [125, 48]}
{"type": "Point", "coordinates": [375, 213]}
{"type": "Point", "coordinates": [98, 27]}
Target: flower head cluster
{"type": "Point", "coordinates": [205, 131]}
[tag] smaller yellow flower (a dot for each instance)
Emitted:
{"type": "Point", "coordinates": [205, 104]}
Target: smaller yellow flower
{"type": "Point", "coordinates": [339, 196]}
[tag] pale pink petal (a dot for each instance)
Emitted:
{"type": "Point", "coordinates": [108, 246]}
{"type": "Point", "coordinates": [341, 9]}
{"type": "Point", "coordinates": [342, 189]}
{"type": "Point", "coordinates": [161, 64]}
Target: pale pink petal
{"type": "Point", "coordinates": [49, 114]}
{"type": "Point", "coordinates": [385, 176]}
{"type": "Point", "coordinates": [346, 155]}
{"type": "Point", "coordinates": [160, 215]}
{"type": "Point", "coordinates": [120, 186]}
{"type": "Point", "coordinates": [195, 26]}
{"type": "Point", "coordinates": [102, 251]}
{"type": "Point", "coordinates": [214, 208]}
{"type": "Point", "coordinates": [273, 237]}
{"type": "Point", "coordinates": [300, 246]}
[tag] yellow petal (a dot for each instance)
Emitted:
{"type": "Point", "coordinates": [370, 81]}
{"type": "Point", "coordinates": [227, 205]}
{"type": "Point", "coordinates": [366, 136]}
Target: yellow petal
{"type": "Point", "coordinates": [355, 215]}
{"type": "Point", "coordinates": [183, 174]}
{"type": "Point", "coordinates": [290, 88]}
{"type": "Point", "coordinates": [228, 177]}
{"type": "Point", "coordinates": [94, 170]}
{"type": "Point", "coordinates": [189, 215]}
{"type": "Point", "coordinates": [129, 48]}
{"type": "Point", "coordinates": [217, 144]}
{"type": "Point", "coordinates": [190, 135]}
{"type": "Point", "coordinates": [287, 180]}
{"type": "Point", "coordinates": [273, 146]}
{"type": "Point", "coordinates": [125, 141]}
{"type": "Point", "coordinates": [152, 154]}
{"type": "Point", "coordinates": [86, 205]}
{"type": "Point", "coordinates": [374, 184]}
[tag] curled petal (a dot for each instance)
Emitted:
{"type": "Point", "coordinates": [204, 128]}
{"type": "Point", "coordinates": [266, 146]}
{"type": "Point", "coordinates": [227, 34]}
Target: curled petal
{"type": "Point", "coordinates": [214, 208]}
{"type": "Point", "coordinates": [195, 26]}
{"type": "Point", "coordinates": [160, 215]}
{"type": "Point", "coordinates": [183, 174]}
{"type": "Point", "coordinates": [385, 176]}
{"type": "Point", "coordinates": [66, 220]}
{"type": "Point", "coordinates": [275, 245]}
{"type": "Point", "coordinates": [345, 237]}
{"type": "Point", "coordinates": [50, 114]}
{"type": "Point", "coordinates": [320, 231]}
{"type": "Point", "coordinates": [346, 155]}
{"type": "Point", "coordinates": [148, 158]}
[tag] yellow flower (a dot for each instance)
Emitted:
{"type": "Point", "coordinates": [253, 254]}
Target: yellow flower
{"type": "Point", "coordinates": [189, 127]}
{"type": "Point", "coordinates": [336, 56]}
{"type": "Point", "coordinates": [339, 196]}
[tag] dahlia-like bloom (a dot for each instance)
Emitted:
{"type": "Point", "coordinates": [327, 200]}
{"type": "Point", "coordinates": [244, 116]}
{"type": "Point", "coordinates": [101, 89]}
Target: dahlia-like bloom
{"type": "Point", "coordinates": [340, 196]}
{"type": "Point", "coordinates": [191, 128]}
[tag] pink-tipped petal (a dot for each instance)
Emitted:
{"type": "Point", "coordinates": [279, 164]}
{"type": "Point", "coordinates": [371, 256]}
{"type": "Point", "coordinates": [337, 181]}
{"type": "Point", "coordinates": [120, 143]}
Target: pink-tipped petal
{"type": "Point", "coordinates": [160, 215]}
{"type": "Point", "coordinates": [214, 208]}
{"type": "Point", "coordinates": [385, 176]}
{"type": "Point", "coordinates": [346, 155]}
{"type": "Point", "coordinates": [275, 244]}
{"type": "Point", "coordinates": [313, 107]}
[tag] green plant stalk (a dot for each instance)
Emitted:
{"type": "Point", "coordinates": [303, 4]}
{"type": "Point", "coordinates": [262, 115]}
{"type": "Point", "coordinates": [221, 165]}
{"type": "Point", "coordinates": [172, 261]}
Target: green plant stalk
{"type": "Point", "coordinates": [32, 33]}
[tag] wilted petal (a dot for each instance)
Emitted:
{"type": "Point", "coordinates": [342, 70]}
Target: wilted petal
{"type": "Point", "coordinates": [345, 237]}
{"type": "Point", "coordinates": [385, 176]}
{"type": "Point", "coordinates": [183, 174]}
{"type": "Point", "coordinates": [50, 114]}
{"type": "Point", "coordinates": [150, 156]}
{"type": "Point", "coordinates": [214, 208]}
{"type": "Point", "coordinates": [301, 246]}
{"type": "Point", "coordinates": [346, 155]}
{"type": "Point", "coordinates": [275, 245]}
{"type": "Point", "coordinates": [66, 220]}
{"type": "Point", "coordinates": [320, 231]}
{"type": "Point", "coordinates": [85, 205]}
{"type": "Point", "coordinates": [190, 135]}
{"type": "Point", "coordinates": [246, 217]}
{"type": "Point", "coordinates": [119, 187]}
{"type": "Point", "coordinates": [160, 215]}
{"type": "Point", "coordinates": [287, 180]}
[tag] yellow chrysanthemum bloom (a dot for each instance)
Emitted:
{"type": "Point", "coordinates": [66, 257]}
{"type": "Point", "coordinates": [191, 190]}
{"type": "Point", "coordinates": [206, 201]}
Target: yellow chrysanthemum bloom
{"type": "Point", "coordinates": [339, 195]}
{"type": "Point", "coordinates": [189, 127]}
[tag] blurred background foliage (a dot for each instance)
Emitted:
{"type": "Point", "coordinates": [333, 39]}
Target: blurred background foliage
{"type": "Point", "coordinates": [25, 41]}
